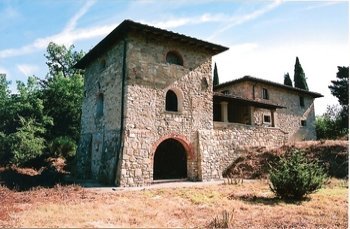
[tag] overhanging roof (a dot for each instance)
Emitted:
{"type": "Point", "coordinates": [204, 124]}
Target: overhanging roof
{"type": "Point", "coordinates": [261, 104]}
{"type": "Point", "coordinates": [253, 79]}
{"type": "Point", "coordinates": [126, 26]}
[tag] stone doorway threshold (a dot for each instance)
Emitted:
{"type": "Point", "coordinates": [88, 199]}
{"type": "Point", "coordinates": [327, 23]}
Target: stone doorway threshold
{"type": "Point", "coordinates": [159, 184]}
{"type": "Point", "coordinates": [161, 181]}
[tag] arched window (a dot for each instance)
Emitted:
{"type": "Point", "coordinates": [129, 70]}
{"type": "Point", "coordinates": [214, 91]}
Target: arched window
{"type": "Point", "coordinates": [103, 65]}
{"type": "Point", "coordinates": [99, 105]}
{"type": "Point", "coordinates": [174, 58]}
{"type": "Point", "coordinates": [171, 101]}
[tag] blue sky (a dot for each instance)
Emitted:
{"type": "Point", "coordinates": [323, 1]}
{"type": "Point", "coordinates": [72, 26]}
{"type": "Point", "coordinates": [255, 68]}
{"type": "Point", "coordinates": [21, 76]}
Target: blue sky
{"type": "Point", "coordinates": [264, 37]}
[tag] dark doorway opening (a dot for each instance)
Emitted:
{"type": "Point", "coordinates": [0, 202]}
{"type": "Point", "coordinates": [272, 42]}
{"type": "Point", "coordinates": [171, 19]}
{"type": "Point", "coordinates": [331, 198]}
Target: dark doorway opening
{"type": "Point", "coordinates": [170, 161]}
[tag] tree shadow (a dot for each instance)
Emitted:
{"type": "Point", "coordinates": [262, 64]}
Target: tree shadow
{"type": "Point", "coordinates": [266, 200]}
{"type": "Point", "coordinates": [15, 180]}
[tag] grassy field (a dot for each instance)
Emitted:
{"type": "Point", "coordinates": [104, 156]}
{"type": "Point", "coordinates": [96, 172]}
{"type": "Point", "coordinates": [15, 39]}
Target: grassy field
{"type": "Point", "coordinates": [250, 204]}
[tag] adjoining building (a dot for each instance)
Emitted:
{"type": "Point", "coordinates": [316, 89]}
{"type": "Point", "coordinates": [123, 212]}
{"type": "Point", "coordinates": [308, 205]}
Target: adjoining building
{"type": "Point", "coordinates": [150, 110]}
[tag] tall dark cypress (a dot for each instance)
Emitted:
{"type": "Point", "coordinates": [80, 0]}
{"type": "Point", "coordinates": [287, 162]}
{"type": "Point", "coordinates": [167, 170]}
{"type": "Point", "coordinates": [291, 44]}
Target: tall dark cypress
{"type": "Point", "coordinates": [287, 80]}
{"type": "Point", "coordinates": [299, 76]}
{"type": "Point", "coordinates": [216, 76]}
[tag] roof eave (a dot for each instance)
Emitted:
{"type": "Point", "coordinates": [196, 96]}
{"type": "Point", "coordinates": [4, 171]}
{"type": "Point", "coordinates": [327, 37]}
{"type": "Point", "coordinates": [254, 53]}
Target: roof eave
{"type": "Point", "coordinates": [249, 101]}
{"type": "Point", "coordinates": [250, 78]}
{"type": "Point", "coordinates": [121, 31]}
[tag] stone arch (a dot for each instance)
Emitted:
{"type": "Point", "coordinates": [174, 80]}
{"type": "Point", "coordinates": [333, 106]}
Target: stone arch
{"type": "Point", "coordinates": [171, 156]}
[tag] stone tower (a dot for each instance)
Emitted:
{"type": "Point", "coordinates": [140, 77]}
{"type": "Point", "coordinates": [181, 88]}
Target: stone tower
{"type": "Point", "coordinates": [148, 97]}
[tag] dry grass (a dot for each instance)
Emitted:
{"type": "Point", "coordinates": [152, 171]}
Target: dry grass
{"type": "Point", "coordinates": [247, 205]}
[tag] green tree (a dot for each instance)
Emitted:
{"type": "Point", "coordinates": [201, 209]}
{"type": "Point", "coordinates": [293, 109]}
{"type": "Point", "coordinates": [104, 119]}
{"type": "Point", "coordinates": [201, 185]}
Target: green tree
{"type": "Point", "coordinates": [287, 80]}
{"type": "Point", "coordinates": [23, 123]}
{"type": "Point", "coordinates": [63, 91]}
{"type": "Point", "coordinates": [4, 97]}
{"type": "Point", "coordinates": [216, 76]}
{"type": "Point", "coordinates": [27, 142]}
{"type": "Point", "coordinates": [61, 60]}
{"type": "Point", "coordinates": [329, 125]}
{"type": "Point", "coordinates": [299, 76]}
{"type": "Point", "coordinates": [340, 89]}
{"type": "Point", "coordinates": [63, 100]}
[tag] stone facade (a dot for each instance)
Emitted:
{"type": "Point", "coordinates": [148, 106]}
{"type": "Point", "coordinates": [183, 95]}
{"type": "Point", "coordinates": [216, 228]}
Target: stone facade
{"type": "Point", "coordinates": [129, 114]}
{"type": "Point", "coordinates": [296, 118]}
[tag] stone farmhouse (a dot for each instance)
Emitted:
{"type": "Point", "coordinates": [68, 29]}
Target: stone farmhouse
{"type": "Point", "coordinates": [150, 110]}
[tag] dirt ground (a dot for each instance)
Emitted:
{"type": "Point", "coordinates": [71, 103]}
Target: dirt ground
{"type": "Point", "coordinates": [247, 205]}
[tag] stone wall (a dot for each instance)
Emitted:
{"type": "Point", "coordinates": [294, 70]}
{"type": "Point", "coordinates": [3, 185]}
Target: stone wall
{"type": "Point", "coordinates": [221, 147]}
{"type": "Point", "coordinates": [100, 132]}
{"type": "Point", "coordinates": [288, 119]}
{"type": "Point", "coordinates": [118, 143]}
{"type": "Point", "coordinates": [149, 78]}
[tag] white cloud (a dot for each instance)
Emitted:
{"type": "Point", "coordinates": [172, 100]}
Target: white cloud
{"type": "Point", "coordinates": [70, 34]}
{"type": "Point", "coordinates": [319, 62]}
{"type": "Point", "coordinates": [178, 22]}
{"type": "Point", "coordinates": [27, 69]}
{"type": "Point", "coordinates": [238, 20]}
{"type": "Point", "coordinates": [66, 37]}
{"type": "Point", "coordinates": [321, 4]}
{"type": "Point", "coordinates": [73, 21]}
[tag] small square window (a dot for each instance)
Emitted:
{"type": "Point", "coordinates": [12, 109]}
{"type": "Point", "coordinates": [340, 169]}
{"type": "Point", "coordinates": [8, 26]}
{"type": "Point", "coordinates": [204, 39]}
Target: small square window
{"type": "Point", "coordinates": [303, 122]}
{"type": "Point", "coordinates": [225, 92]}
{"type": "Point", "coordinates": [265, 93]}
{"type": "Point", "coordinates": [267, 119]}
{"type": "Point", "coordinates": [301, 101]}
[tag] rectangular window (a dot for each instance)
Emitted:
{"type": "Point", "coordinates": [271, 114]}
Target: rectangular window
{"type": "Point", "coordinates": [301, 101]}
{"type": "Point", "coordinates": [265, 93]}
{"type": "Point", "coordinates": [303, 122]}
{"type": "Point", "coordinates": [267, 119]}
{"type": "Point", "coordinates": [225, 92]}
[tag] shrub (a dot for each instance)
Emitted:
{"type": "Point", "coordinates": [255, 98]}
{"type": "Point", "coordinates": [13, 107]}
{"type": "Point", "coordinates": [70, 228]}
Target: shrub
{"type": "Point", "coordinates": [4, 154]}
{"type": "Point", "coordinates": [225, 220]}
{"type": "Point", "coordinates": [63, 146]}
{"type": "Point", "coordinates": [293, 176]}
{"type": "Point", "coordinates": [26, 143]}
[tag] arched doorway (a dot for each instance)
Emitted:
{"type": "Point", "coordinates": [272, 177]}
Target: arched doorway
{"type": "Point", "coordinates": [170, 160]}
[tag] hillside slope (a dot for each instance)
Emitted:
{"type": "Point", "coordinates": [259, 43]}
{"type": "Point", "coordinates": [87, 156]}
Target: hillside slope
{"type": "Point", "coordinates": [333, 156]}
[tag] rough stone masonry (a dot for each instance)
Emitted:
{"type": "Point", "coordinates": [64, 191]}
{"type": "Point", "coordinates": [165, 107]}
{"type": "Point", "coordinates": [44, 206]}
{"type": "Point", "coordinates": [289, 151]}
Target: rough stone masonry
{"type": "Point", "coordinates": [148, 111]}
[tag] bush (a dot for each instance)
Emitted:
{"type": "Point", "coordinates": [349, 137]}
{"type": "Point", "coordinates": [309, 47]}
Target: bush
{"type": "Point", "coordinates": [330, 124]}
{"type": "Point", "coordinates": [26, 144]}
{"type": "Point", "coordinates": [63, 146]}
{"type": "Point", "coordinates": [293, 176]}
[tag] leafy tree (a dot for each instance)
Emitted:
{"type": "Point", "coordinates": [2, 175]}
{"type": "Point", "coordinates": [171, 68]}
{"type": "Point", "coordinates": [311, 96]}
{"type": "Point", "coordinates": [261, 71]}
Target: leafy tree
{"type": "Point", "coordinates": [299, 76]}
{"type": "Point", "coordinates": [294, 176]}
{"type": "Point", "coordinates": [287, 80]}
{"type": "Point", "coordinates": [329, 125]}
{"type": "Point", "coordinates": [4, 89]}
{"type": "Point", "coordinates": [27, 104]}
{"type": "Point", "coordinates": [63, 146]}
{"type": "Point", "coordinates": [23, 123]}
{"type": "Point", "coordinates": [63, 91]}
{"type": "Point", "coordinates": [63, 100]}
{"type": "Point", "coordinates": [26, 142]}
{"type": "Point", "coordinates": [216, 76]}
{"type": "Point", "coordinates": [340, 89]}
{"type": "Point", "coordinates": [61, 60]}
{"type": "Point", "coordinates": [4, 96]}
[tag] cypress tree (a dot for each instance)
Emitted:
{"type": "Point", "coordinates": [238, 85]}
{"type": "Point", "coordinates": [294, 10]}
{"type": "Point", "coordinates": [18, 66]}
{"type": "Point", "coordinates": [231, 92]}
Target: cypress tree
{"type": "Point", "coordinates": [299, 76]}
{"type": "Point", "coordinates": [287, 80]}
{"type": "Point", "coordinates": [216, 76]}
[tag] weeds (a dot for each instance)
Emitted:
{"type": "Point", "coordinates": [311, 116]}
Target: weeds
{"type": "Point", "coordinates": [224, 220]}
